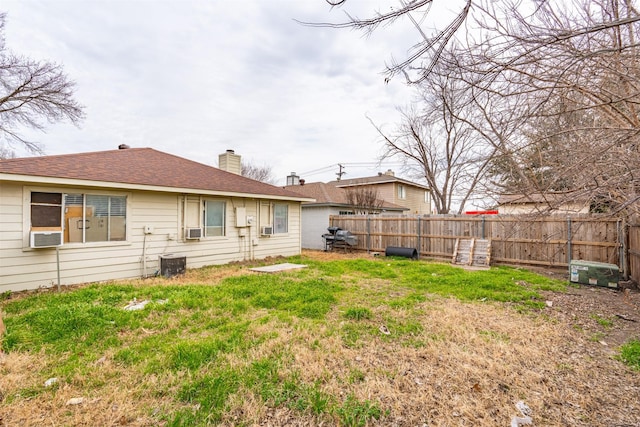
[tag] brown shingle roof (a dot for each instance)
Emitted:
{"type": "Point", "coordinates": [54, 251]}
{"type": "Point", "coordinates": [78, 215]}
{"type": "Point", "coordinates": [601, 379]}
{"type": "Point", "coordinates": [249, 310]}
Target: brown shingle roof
{"type": "Point", "coordinates": [140, 166]}
{"type": "Point", "coordinates": [378, 179]}
{"type": "Point", "coordinates": [323, 193]}
{"type": "Point", "coordinates": [327, 194]}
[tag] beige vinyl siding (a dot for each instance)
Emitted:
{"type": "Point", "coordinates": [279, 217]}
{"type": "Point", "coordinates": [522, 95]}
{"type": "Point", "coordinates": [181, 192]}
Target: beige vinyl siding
{"type": "Point", "coordinates": [24, 268]}
{"type": "Point", "coordinates": [529, 208]}
{"type": "Point", "coordinates": [415, 200]}
{"type": "Point", "coordinates": [10, 222]}
{"type": "Point", "coordinates": [414, 197]}
{"type": "Point", "coordinates": [285, 244]}
{"type": "Point", "coordinates": [387, 192]}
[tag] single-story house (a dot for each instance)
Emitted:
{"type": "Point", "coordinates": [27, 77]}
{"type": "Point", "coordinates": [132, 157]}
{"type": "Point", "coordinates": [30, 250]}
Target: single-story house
{"type": "Point", "coordinates": [548, 203]}
{"type": "Point", "coordinates": [329, 200]}
{"type": "Point", "coordinates": [99, 216]}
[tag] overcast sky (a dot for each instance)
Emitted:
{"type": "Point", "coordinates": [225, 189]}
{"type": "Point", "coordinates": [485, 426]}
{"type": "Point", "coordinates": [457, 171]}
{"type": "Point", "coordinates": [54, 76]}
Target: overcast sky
{"type": "Point", "coordinates": [195, 78]}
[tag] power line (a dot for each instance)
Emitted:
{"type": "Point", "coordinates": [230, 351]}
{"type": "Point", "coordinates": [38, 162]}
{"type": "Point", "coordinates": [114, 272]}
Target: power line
{"type": "Point", "coordinates": [350, 164]}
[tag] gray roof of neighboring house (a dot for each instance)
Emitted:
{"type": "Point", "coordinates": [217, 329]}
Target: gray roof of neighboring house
{"type": "Point", "coordinates": [140, 167]}
{"type": "Point", "coordinates": [330, 195]}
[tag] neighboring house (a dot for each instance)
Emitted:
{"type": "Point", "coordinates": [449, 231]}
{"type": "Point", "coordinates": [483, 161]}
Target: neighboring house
{"type": "Point", "coordinates": [109, 215]}
{"type": "Point", "coordinates": [553, 203]}
{"type": "Point", "coordinates": [391, 189]}
{"type": "Point", "coordinates": [329, 200]}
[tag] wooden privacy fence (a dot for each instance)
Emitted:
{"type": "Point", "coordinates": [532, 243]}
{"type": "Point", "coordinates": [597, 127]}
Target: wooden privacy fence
{"type": "Point", "coordinates": [551, 241]}
{"type": "Point", "coordinates": [632, 245]}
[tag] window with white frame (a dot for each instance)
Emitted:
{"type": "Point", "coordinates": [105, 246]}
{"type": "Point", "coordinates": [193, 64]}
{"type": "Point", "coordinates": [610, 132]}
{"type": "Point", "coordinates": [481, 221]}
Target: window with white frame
{"type": "Point", "coordinates": [94, 218]}
{"type": "Point", "coordinates": [46, 211]}
{"type": "Point", "coordinates": [280, 218]}
{"type": "Point", "coordinates": [213, 218]}
{"type": "Point", "coordinates": [402, 192]}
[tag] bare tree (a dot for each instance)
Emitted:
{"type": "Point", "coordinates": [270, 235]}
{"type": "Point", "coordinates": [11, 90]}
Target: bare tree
{"type": "Point", "coordinates": [438, 145]}
{"type": "Point", "coordinates": [553, 86]}
{"type": "Point", "coordinates": [6, 153]}
{"type": "Point", "coordinates": [432, 40]}
{"type": "Point", "coordinates": [425, 53]}
{"type": "Point", "coordinates": [32, 93]}
{"type": "Point", "coordinates": [577, 66]}
{"type": "Point", "coordinates": [365, 200]}
{"type": "Point", "coordinates": [259, 173]}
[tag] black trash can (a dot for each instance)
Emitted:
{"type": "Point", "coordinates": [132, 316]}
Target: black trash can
{"type": "Point", "coordinates": [403, 252]}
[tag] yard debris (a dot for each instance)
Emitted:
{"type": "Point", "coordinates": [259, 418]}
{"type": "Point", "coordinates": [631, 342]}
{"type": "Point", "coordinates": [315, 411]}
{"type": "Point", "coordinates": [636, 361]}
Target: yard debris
{"type": "Point", "coordinates": [135, 305]}
{"type": "Point", "coordinates": [75, 401]}
{"type": "Point", "coordinates": [100, 361]}
{"type": "Point", "coordinates": [549, 303]}
{"type": "Point", "coordinates": [50, 382]}
{"type": "Point", "coordinates": [525, 419]}
{"type": "Point", "coordinates": [384, 330]}
{"type": "Point", "coordinates": [623, 317]}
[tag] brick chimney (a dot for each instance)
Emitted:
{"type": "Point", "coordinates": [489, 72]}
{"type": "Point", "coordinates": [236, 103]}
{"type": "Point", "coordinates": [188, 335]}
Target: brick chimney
{"type": "Point", "coordinates": [293, 179]}
{"type": "Point", "coordinates": [230, 161]}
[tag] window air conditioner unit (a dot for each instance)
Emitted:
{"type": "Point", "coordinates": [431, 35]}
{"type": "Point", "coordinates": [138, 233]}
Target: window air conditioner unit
{"type": "Point", "coordinates": [266, 230]}
{"type": "Point", "coordinates": [193, 233]}
{"type": "Point", "coordinates": [46, 239]}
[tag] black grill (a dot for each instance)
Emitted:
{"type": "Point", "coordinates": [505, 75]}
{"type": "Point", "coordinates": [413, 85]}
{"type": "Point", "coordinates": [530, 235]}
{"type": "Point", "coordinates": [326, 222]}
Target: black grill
{"type": "Point", "coordinates": [339, 238]}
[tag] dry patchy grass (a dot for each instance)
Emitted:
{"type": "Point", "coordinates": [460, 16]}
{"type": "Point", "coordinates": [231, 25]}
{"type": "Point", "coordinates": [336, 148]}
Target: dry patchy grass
{"type": "Point", "coordinates": [458, 364]}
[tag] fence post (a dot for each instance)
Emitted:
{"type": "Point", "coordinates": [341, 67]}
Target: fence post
{"type": "Point", "coordinates": [368, 234]}
{"type": "Point", "coordinates": [623, 233]}
{"type": "Point", "coordinates": [569, 254]}
{"type": "Point", "coordinates": [419, 240]}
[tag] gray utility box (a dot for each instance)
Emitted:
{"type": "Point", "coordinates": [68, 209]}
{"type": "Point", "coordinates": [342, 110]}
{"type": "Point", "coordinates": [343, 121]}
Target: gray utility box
{"type": "Point", "coordinates": [172, 265]}
{"type": "Point", "coordinates": [594, 273]}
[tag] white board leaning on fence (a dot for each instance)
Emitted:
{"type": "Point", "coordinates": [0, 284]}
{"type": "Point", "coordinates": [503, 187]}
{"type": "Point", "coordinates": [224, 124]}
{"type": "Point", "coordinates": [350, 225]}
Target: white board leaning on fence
{"type": "Point", "coordinates": [472, 253]}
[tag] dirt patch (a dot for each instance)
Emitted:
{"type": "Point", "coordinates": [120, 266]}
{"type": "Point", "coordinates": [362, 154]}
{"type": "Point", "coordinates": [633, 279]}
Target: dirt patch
{"type": "Point", "coordinates": [609, 317]}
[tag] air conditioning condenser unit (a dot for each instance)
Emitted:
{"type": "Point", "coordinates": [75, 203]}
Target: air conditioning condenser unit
{"type": "Point", "coordinates": [266, 230]}
{"type": "Point", "coordinates": [45, 239]}
{"type": "Point", "coordinates": [594, 273]}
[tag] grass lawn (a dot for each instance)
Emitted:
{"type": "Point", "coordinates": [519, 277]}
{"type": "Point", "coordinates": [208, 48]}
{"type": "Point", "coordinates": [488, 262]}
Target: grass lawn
{"type": "Point", "coordinates": [349, 342]}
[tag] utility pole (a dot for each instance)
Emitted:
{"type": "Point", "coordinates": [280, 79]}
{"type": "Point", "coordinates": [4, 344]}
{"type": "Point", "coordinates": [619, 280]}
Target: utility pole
{"type": "Point", "coordinates": [341, 171]}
